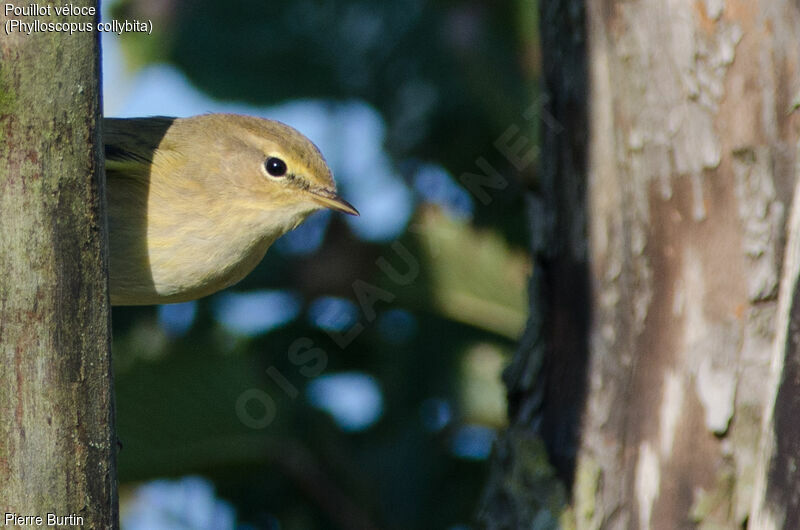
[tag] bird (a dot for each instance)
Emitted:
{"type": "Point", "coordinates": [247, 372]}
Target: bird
{"type": "Point", "coordinates": [194, 203]}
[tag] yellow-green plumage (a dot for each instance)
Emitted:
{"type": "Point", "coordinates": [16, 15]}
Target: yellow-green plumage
{"type": "Point", "coordinates": [192, 208]}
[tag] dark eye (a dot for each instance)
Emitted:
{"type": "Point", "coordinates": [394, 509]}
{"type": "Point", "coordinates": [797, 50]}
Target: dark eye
{"type": "Point", "coordinates": [275, 166]}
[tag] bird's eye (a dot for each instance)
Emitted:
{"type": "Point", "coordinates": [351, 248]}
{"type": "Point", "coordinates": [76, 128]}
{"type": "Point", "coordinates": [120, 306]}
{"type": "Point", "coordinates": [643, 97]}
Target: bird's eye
{"type": "Point", "coordinates": [275, 166]}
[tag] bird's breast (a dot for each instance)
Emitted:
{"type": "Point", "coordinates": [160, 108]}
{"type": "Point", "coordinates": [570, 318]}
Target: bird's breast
{"type": "Point", "coordinates": [191, 260]}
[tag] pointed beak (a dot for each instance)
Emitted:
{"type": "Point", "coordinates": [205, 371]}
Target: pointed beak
{"type": "Point", "coordinates": [329, 199]}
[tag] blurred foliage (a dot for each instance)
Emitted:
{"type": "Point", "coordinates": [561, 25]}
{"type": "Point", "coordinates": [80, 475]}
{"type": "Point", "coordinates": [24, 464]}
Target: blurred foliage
{"type": "Point", "coordinates": [449, 77]}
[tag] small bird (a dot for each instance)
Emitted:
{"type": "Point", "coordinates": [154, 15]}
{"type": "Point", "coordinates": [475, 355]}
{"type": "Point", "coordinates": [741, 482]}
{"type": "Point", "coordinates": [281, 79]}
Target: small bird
{"type": "Point", "coordinates": [194, 203]}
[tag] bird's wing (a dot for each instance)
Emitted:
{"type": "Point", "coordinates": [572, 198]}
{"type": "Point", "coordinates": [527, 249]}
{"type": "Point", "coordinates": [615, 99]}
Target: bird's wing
{"type": "Point", "coordinates": [130, 143]}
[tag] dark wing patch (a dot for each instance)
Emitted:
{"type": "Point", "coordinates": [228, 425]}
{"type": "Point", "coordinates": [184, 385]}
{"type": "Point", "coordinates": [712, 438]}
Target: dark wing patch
{"type": "Point", "coordinates": [118, 153]}
{"type": "Point", "coordinates": [133, 139]}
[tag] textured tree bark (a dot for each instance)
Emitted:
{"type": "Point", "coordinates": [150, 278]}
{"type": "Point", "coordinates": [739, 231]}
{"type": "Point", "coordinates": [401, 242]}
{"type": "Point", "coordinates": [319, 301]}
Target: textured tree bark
{"type": "Point", "coordinates": [693, 163]}
{"type": "Point", "coordinates": [651, 366]}
{"type": "Point", "coordinates": [776, 503]}
{"type": "Point", "coordinates": [57, 445]}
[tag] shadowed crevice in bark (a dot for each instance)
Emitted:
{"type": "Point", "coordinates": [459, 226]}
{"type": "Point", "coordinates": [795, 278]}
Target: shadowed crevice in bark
{"type": "Point", "coordinates": [565, 295]}
{"type": "Point", "coordinates": [546, 379]}
{"type": "Point", "coordinates": [784, 476]}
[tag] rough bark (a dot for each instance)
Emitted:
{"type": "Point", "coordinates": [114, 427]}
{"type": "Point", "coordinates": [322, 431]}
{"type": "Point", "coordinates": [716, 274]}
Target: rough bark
{"type": "Point", "coordinates": [776, 502]}
{"type": "Point", "coordinates": [651, 400]}
{"type": "Point", "coordinates": [56, 421]}
{"type": "Point", "coordinates": [692, 168]}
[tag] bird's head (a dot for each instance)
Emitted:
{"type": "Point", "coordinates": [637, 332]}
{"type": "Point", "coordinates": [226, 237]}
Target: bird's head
{"type": "Point", "coordinates": [266, 165]}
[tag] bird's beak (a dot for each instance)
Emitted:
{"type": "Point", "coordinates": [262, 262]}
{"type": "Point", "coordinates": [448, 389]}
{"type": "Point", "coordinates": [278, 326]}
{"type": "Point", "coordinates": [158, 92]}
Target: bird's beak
{"type": "Point", "coordinates": [329, 199]}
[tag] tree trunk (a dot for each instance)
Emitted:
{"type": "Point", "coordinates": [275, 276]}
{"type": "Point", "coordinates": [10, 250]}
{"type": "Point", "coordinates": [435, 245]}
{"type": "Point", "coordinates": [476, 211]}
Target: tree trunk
{"type": "Point", "coordinates": [57, 445]}
{"type": "Point", "coordinates": [649, 360]}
